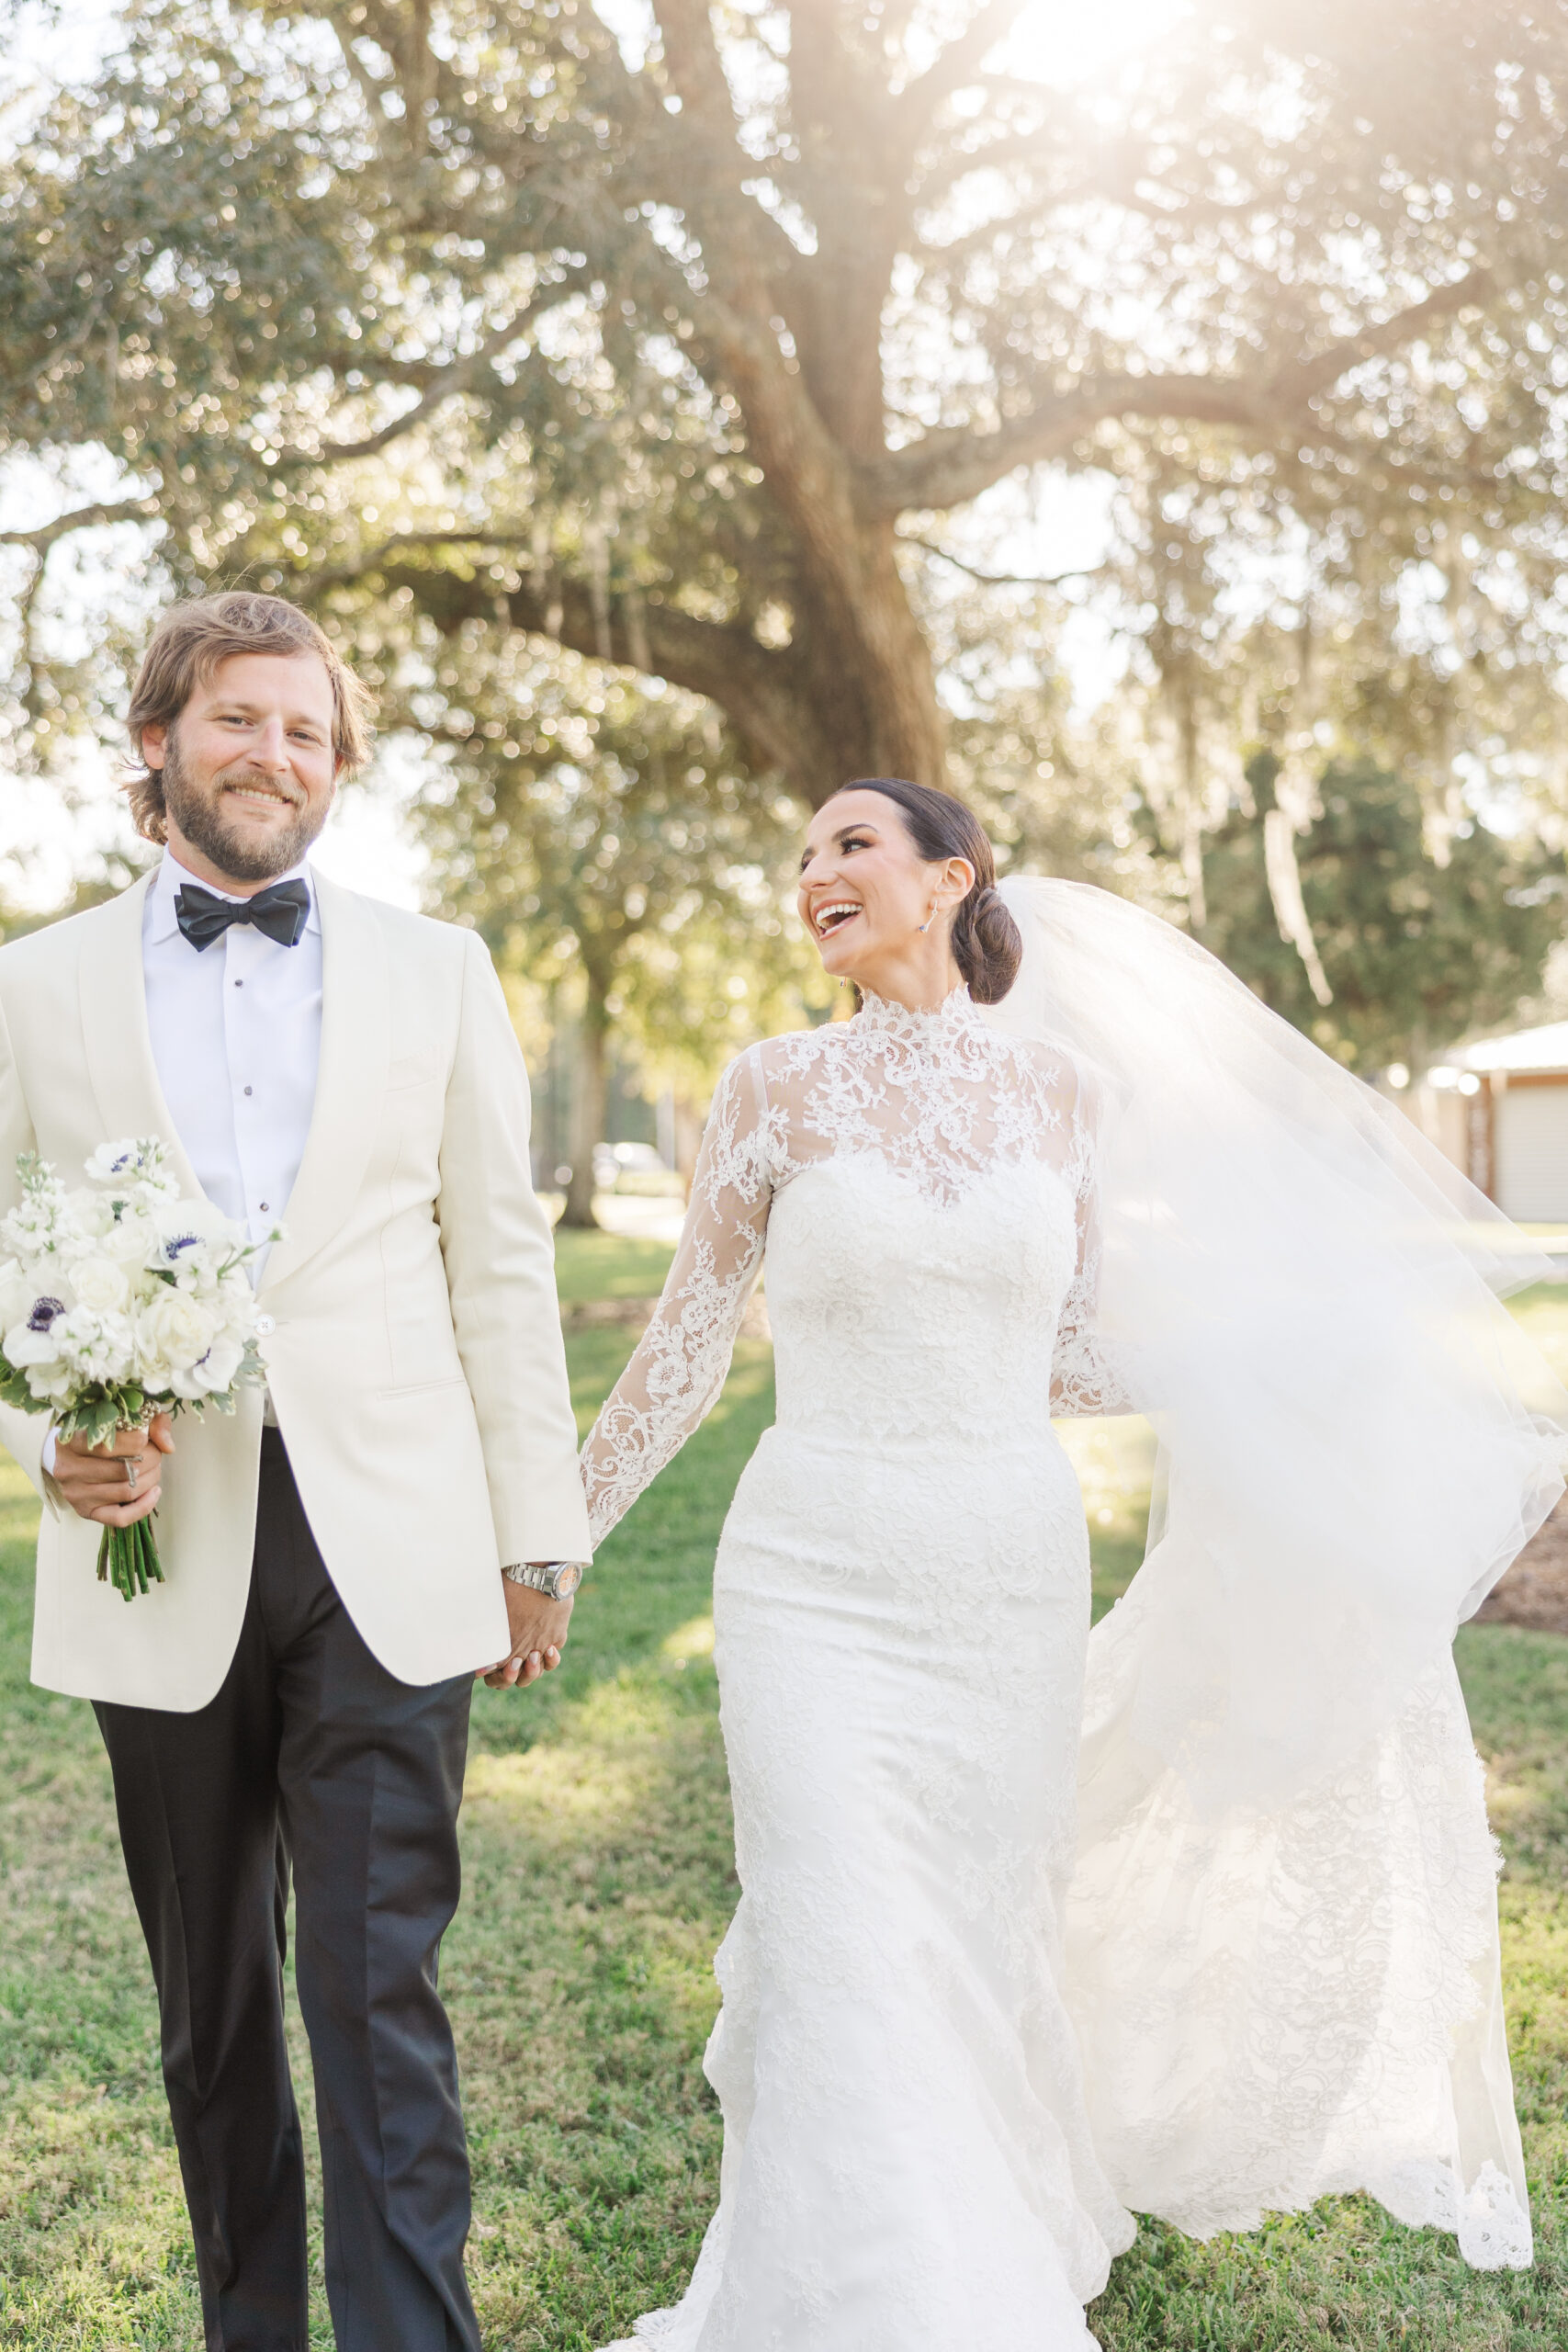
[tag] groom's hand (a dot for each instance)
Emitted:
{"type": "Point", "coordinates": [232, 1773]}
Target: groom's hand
{"type": "Point", "coordinates": [537, 1626]}
{"type": "Point", "coordinates": [116, 1484]}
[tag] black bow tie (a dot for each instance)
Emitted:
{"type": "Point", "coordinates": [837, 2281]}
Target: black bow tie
{"type": "Point", "coordinates": [279, 911]}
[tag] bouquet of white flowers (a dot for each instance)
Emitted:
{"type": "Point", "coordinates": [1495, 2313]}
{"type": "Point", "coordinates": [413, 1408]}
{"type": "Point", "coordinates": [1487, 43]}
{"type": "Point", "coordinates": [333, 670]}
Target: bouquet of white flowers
{"type": "Point", "coordinates": [118, 1300]}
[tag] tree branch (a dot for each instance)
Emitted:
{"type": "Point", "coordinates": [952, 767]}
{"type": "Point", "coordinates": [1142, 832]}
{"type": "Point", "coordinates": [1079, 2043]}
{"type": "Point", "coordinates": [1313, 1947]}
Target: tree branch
{"type": "Point", "coordinates": [695, 68]}
{"type": "Point", "coordinates": [82, 518]}
{"type": "Point", "coordinates": [761, 689]}
{"type": "Point", "coordinates": [1305, 377]}
{"type": "Point", "coordinates": [693, 160]}
{"type": "Point", "coordinates": [957, 64]}
{"type": "Point", "coordinates": [1002, 578]}
{"type": "Point", "coordinates": [955, 464]}
{"type": "Point", "coordinates": [457, 377]}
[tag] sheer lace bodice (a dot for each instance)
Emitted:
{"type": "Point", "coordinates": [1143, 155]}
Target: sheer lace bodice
{"type": "Point", "coordinates": [935, 1105]}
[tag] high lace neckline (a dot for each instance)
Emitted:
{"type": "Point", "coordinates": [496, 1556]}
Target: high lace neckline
{"type": "Point", "coordinates": [907, 1025]}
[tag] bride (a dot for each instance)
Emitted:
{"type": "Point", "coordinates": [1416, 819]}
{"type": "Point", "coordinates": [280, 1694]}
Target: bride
{"type": "Point", "coordinates": [1195, 1917]}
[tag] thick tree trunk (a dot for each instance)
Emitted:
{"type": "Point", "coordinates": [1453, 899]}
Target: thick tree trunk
{"type": "Point", "coordinates": [590, 1098]}
{"type": "Point", "coordinates": [853, 694]}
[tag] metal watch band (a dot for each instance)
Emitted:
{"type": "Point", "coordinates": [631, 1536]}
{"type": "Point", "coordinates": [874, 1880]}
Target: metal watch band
{"type": "Point", "coordinates": [557, 1580]}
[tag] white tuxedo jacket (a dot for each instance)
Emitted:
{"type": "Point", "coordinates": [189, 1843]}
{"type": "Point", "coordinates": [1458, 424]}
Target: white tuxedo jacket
{"type": "Point", "coordinates": [413, 1350]}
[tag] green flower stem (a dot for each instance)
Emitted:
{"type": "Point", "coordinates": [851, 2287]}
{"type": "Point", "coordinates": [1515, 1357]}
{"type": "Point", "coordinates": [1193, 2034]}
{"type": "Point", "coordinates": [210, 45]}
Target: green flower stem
{"type": "Point", "coordinates": [152, 1566]}
{"type": "Point", "coordinates": [127, 1558]}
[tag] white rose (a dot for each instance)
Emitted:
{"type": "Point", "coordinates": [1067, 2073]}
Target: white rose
{"type": "Point", "coordinates": [173, 1331]}
{"type": "Point", "coordinates": [100, 1284]}
{"type": "Point", "coordinates": [130, 1241]}
{"type": "Point", "coordinates": [87, 1216]}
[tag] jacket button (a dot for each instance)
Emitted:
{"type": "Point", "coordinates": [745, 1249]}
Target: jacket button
{"type": "Point", "coordinates": [266, 1324]}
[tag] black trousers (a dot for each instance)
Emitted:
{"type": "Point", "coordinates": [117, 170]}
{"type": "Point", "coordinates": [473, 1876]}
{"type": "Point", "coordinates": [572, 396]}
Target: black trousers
{"type": "Point", "coordinates": [311, 1758]}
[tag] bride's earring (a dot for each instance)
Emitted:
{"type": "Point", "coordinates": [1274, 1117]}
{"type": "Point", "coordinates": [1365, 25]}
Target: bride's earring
{"type": "Point", "coordinates": [927, 925]}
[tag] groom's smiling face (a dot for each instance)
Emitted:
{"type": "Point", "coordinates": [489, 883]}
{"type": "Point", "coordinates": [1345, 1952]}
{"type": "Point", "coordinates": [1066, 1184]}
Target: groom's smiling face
{"type": "Point", "coordinates": [248, 768]}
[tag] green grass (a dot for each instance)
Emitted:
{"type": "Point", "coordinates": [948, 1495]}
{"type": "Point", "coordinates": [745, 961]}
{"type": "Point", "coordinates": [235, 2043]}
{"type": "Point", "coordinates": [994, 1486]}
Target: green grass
{"type": "Point", "coordinates": [608, 1265]}
{"type": "Point", "coordinates": [599, 1880]}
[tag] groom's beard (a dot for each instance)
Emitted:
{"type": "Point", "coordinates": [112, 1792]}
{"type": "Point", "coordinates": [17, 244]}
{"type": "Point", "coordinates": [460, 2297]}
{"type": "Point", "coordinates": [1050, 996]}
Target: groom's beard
{"type": "Point", "coordinates": [203, 819]}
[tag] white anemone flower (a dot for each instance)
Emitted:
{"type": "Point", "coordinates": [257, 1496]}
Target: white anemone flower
{"type": "Point", "coordinates": [213, 1374]}
{"type": "Point", "coordinates": [135, 1162]}
{"type": "Point", "coordinates": [33, 1341]}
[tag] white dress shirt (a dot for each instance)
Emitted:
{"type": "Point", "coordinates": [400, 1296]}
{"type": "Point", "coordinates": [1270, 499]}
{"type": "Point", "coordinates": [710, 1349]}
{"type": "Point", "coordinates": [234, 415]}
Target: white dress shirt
{"type": "Point", "coordinates": [236, 1030]}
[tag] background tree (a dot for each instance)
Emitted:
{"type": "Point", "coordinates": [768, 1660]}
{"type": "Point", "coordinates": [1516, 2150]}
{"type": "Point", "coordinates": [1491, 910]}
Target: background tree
{"type": "Point", "coordinates": [670, 348]}
{"type": "Point", "coordinates": [1267, 625]}
{"type": "Point", "coordinates": [1415, 954]}
{"type": "Point", "coordinates": [612, 846]}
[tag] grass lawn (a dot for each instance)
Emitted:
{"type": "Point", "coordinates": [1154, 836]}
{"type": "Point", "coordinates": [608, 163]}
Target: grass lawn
{"type": "Point", "coordinates": [599, 1880]}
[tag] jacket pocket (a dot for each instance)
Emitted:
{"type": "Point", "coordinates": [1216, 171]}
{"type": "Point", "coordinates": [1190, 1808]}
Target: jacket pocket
{"type": "Point", "coordinates": [415, 1070]}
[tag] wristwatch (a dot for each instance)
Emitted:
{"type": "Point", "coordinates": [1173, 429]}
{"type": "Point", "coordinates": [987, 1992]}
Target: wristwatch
{"type": "Point", "coordinates": [557, 1580]}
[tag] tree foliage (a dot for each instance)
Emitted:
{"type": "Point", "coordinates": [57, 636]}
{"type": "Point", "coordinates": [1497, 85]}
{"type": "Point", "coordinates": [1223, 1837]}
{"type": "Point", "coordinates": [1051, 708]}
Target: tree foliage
{"type": "Point", "coordinates": [1417, 954]}
{"type": "Point", "coordinates": [670, 346]}
{"type": "Point", "coordinates": [614, 848]}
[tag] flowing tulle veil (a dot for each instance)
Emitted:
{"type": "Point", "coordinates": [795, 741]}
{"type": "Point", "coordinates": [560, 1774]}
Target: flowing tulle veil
{"type": "Point", "coordinates": [1282, 1928]}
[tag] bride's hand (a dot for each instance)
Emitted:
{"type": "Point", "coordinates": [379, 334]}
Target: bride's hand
{"type": "Point", "coordinates": [539, 1629]}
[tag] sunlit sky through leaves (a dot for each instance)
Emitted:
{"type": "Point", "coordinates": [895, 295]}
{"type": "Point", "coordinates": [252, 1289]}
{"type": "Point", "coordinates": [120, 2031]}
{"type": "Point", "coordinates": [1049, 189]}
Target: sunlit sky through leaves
{"type": "Point", "coordinates": [1067, 42]}
{"type": "Point", "coordinates": [1057, 525]}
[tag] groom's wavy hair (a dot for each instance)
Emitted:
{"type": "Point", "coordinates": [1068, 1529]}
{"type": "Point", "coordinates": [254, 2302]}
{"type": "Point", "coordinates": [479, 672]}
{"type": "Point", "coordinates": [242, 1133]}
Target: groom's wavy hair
{"type": "Point", "coordinates": [187, 645]}
{"type": "Point", "coordinates": [987, 944]}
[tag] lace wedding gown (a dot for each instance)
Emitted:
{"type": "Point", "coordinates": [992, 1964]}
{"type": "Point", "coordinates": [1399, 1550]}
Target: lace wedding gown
{"type": "Point", "coordinates": [933, 2134]}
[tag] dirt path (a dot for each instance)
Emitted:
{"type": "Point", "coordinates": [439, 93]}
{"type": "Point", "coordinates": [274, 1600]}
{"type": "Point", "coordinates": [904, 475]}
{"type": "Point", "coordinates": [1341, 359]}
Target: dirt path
{"type": "Point", "coordinates": [1535, 1590]}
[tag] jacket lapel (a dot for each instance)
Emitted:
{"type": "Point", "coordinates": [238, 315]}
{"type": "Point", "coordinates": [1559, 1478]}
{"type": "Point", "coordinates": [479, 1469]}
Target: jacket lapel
{"type": "Point", "coordinates": [351, 1082]}
{"type": "Point", "coordinates": [114, 1028]}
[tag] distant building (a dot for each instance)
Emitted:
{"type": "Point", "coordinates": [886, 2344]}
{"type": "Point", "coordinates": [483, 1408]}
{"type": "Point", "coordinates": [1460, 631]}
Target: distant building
{"type": "Point", "coordinates": [1499, 1110]}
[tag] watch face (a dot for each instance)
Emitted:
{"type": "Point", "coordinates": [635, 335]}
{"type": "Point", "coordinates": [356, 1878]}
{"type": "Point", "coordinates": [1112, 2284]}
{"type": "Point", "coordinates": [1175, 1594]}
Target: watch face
{"type": "Point", "coordinates": [569, 1576]}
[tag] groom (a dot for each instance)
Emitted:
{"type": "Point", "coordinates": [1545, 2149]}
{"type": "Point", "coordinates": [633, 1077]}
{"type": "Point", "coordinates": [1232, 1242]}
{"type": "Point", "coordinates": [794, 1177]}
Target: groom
{"type": "Point", "coordinates": [402, 1509]}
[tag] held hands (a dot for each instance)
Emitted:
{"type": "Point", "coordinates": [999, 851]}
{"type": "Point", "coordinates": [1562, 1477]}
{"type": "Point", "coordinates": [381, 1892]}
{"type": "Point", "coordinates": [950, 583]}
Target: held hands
{"type": "Point", "coordinates": [538, 1630]}
{"type": "Point", "coordinates": [119, 1483]}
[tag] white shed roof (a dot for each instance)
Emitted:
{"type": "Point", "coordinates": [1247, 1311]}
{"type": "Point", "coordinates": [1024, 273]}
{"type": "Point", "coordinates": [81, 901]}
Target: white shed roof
{"type": "Point", "coordinates": [1542, 1049]}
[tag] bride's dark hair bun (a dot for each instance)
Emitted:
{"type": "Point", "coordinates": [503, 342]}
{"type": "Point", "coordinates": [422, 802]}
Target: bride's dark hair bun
{"type": "Point", "coordinates": [989, 957]}
{"type": "Point", "coordinates": [986, 944]}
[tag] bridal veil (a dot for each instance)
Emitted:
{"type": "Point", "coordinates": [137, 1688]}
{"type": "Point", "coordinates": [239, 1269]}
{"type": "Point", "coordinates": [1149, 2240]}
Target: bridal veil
{"type": "Point", "coordinates": [1283, 1924]}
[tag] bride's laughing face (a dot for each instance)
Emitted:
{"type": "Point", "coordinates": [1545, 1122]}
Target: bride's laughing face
{"type": "Point", "coordinates": [864, 889]}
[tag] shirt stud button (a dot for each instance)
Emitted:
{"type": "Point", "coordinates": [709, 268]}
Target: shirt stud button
{"type": "Point", "coordinates": [247, 1090]}
{"type": "Point", "coordinates": [263, 1208]}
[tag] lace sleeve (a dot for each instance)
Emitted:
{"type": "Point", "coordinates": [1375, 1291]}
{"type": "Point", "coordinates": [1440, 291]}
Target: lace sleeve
{"type": "Point", "coordinates": [681, 1359]}
{"type": "Point", "coordinates": [1085, 1379]}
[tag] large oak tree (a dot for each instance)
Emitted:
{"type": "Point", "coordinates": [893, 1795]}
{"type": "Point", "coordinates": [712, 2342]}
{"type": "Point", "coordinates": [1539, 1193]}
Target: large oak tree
{"type": "Point", "coordinates": [661, 344]}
